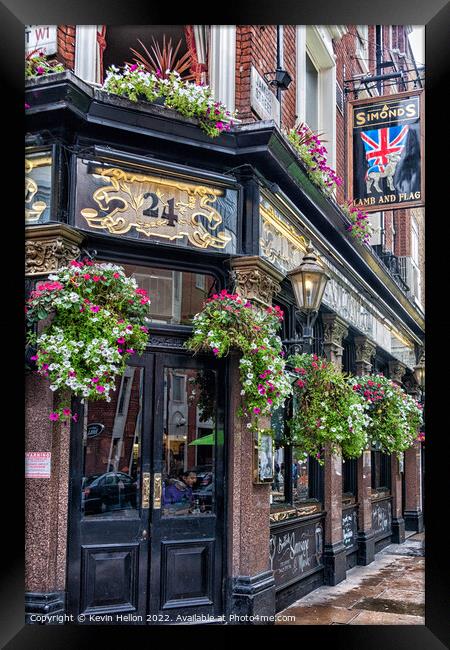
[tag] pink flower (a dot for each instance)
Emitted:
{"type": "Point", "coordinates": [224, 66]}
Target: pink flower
{"type": "Point", "coordinates": [94, 380]}
{"type": "Point", "coordinates": [256, 410]}
{"type": "Point", "coordinates": [96, 278]}
{"type": "Point", "coordinates": [144, 329]}
{"type": "Point", "coordinates": [269, 401]}
{"type": "Point", "coordinates": [86, 276]}
{"type": "Point", "coordinates": [121, 340]}
{"type": "Point", "coordinates": [40, 70]}
{"type": "Point", "coordinates": [54, 416]}
{"type": "Point", "coordinates": [100, 389]}
{"type": "Point", "coordinates": [219, 125]}
{"type": "Point", "coordinates": [95, 308]}
{"type": "Point", "coordinates": [116, 275]}
{"type": "Point", "coordinates": [66, 411]}
{"type": "Point", "coordinates": [130, 351]}
{"type": "Point", "coordinates": [216, 350]}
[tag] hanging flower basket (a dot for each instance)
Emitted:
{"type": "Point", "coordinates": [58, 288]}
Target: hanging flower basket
{"type": "Point", "coordinates": [360, 227]}
{"type": "Point", "coordinates": [313, 154]}
{"type": "Point", "coordinates": [395, 417]}
{"type": "Point", "coordinates": [188, 99]}
{"type": "Point", "coordinates": [229, 322]}
{"type": "Point", "coordinates": [326, 411]}
{"type": "Point", "coordinates": [97, 323]}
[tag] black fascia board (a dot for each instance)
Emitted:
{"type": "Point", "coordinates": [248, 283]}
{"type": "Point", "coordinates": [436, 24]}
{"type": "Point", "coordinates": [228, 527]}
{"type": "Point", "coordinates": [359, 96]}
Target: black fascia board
{"type": "Point", "coordinates": [260, 145]}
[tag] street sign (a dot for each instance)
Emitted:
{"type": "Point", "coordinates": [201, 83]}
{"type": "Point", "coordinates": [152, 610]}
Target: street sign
{"type": "Point", "coordinates": [386, 152]}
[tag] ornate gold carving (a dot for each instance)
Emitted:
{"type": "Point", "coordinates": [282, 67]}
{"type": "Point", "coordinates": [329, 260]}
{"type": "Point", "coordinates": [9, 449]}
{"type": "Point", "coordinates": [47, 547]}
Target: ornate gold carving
{"type": "Point", "coordinates": [49, 247]}
{"type": "Point", "coordinates": [146, 489]}
{"type": "Point", "coordinates": [157, 489]}
{"type": "Point", "coordinates": [280, 243]}
{"type": "Point", "coordinates": [301, 511]}
{"type": "Point", "coordinates": [34, 211]}
{"type": "Point", "coordinates": [126, 199]}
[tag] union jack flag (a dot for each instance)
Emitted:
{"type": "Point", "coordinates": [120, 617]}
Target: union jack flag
{"type": "Point", "coordinates": [381, 142]}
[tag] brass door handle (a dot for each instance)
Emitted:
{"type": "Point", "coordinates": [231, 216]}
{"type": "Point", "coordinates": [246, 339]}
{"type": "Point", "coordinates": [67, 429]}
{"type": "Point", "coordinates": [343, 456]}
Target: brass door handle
{"type": "Point", "coordinates": [146, 489]}
{"type": "Point", "coordinates": [157, 489]}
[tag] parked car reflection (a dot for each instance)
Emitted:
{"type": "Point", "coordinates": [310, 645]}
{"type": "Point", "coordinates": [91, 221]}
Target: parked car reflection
{"type": "Point", "coordinates": [110, 491]}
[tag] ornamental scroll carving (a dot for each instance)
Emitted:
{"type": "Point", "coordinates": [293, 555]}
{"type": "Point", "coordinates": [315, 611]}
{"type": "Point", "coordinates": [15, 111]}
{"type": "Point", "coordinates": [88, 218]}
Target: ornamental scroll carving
{"type": "Point", "coordinates": [255, 284]}
{"type": "Point", "coordinates": [334, 330]}
{"type": "Point", "coordinates": [164, 208]}
{"type": "Point", "coordinates": [365, 350]}
{"type": "Point", "coordinates": [44, 256]}
{"type": "Point", "coordinates": [396, 371]}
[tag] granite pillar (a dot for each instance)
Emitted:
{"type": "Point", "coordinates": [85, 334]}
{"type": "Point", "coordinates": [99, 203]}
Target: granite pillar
{"type": "Point", "coordinates": [335, 329]}
{"type": "Point", "coordinates": [48, 247]}
{"type": "Point", "coordinates": [413, 513]}
{"type": "Point", "coordinates": [334, 555]}
{"type": "Point", "coordinates": [250, 582]}
{"type": "Point", "coordinates": [398, 523]}
{"type": "Point", "coordinates": [396, 373]}
{"type": "Point", "coordinates": [365, 350]}
{"type": "Point", "coordinates": [366, 544]}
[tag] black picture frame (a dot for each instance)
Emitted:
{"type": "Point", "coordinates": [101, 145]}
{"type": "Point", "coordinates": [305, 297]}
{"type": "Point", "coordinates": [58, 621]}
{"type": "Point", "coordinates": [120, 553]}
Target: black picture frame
{"type": "Point", "coordinates": [435, 16]}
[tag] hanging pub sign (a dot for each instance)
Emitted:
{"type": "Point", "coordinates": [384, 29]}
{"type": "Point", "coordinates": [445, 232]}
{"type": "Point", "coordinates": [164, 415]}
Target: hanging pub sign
{"type": "Point", "coordinates": [386, 151]}
{"type": "Point", "coordinates": [154, 206]}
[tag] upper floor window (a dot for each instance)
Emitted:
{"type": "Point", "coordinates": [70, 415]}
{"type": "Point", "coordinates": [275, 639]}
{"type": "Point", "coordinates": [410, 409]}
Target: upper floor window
{"type": "Point", "coordinates": [312, 94]}
{"type": "Point", "coordinates": [362, 44]}
{"type": "Point", "coordinates": [316, 83]}
{"type": "Point", "coordinates": [121, 38]}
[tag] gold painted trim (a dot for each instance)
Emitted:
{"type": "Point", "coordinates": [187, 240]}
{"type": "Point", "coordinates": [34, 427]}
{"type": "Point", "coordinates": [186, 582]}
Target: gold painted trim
{"type": "Point", "coordinates": [146, 489]}
{"type": "Point", "coordinates": [157, 489]}
{"type": "Point", "coordinates": [32, 163]}
{"type": "Point", "coordinates": [285, 229]}
{"type": "Point", "coordinates": [132, 177]}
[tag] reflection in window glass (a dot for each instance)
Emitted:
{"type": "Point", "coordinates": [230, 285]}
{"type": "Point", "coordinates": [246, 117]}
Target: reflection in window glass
{"type": "Point", "coordinates": [176, 296]}
{"type": "Point", "coordinates": [190, 434]}
{"type": "Point", "coordinates": [111, 450]}
{"type": "Point", "coordinates": [300, 482]}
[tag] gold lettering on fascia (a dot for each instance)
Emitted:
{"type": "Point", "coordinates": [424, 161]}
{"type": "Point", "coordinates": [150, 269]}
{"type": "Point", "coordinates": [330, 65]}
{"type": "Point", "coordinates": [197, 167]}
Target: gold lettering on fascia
{"type": "Point", "coordinates": [279, 242]}
{"type": "Point", "coordinates": [157, 207]}
{"type": "Point", "coordinates": [389, 112]}
{"type": "Point", "coordinates": [34, 209]}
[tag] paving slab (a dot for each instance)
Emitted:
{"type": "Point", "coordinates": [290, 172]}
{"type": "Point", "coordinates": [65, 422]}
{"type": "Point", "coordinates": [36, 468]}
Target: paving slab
{"type": "Point", "coordinates": [319, 615]}
{"type": "Point", "coordinates": [385, 618]}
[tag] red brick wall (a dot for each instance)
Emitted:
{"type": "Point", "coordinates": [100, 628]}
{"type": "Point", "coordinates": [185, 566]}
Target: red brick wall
{"type": "Point", "coordinates": [66, 45]}
{"type": "Point", "coordinates": [257, 45]}
{"type": "Point", "coordinates": [402, 224]}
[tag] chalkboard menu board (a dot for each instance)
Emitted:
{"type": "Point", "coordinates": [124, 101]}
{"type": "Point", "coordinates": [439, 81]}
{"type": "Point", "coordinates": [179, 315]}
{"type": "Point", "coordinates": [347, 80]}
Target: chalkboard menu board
{"type": "Point", "coordinates": [381, 517]}
{"type": "Point", "coordinates": [349, 527]}
{"type": "Point", "coordinates": [296, 550]}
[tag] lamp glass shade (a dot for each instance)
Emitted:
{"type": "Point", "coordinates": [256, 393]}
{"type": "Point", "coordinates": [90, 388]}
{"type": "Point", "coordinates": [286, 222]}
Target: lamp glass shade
{"type": "Point", "coordinates": [309, 287]}
{"type": "Point", "coordinates": [419, 374]}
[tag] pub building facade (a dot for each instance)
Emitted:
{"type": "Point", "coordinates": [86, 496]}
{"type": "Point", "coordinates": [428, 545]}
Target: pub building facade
{"type": "Point", "coordinates": [138, 185]}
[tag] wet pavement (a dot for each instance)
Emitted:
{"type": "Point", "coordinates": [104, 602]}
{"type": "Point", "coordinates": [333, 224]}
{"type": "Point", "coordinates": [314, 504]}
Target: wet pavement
{"type": "Point", "coordinates": [390, 591]}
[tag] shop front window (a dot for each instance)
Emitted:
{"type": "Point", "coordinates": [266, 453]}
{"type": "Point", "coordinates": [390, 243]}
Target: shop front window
{"type": "Point", "coordinates": [111, 451]}
{"type": "Point", "coordinates": [381, 472]}
{"type": "Point", "coordinates": [176, 296]}
{"type": "Point", "coordinates": [190, 433]}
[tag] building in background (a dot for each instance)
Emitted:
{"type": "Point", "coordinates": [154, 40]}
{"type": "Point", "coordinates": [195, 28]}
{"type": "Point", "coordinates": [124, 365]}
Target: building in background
{"type": "Point", "coordinates": [100, 538]}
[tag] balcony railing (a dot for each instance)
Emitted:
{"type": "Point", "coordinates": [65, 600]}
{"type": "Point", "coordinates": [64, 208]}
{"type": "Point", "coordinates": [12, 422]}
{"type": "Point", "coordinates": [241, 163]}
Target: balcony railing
{"type": "Point", "coordinates": [391, 262]}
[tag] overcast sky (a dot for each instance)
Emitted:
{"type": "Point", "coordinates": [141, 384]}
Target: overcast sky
{"type": "Point", "coordinates": [417, 40]}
